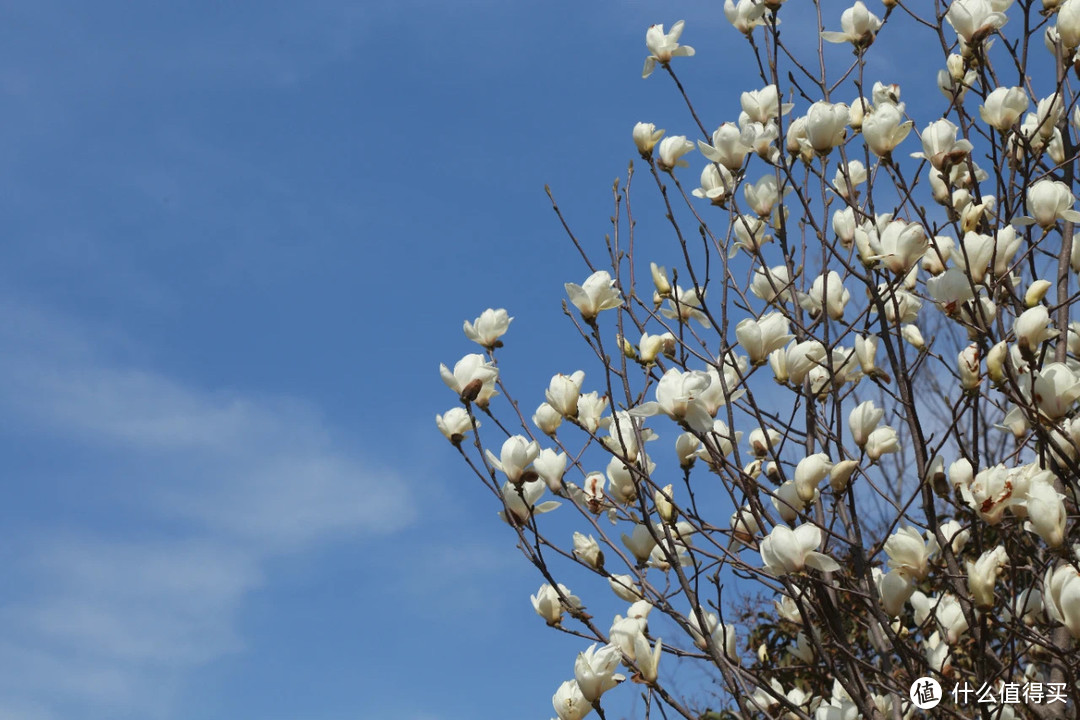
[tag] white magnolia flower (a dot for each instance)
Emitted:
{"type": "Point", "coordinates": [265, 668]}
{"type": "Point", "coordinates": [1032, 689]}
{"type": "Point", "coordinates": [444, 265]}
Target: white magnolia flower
{"type": "Point", "coordinates": [825, 125]}
{"type": "Point", "coordinates": [1061, 596]}
{"type": "Point", "coordinates": [551, 466]}
{"type": "Point", "coordinates": [1003, 107]}
{"type": "Point", "coordinates": [881, 441]}
{"type": "Point", "coordinates": [982, 575]}
{"type": "Point", "coordinates": [1052, 390]}
{"type": "Point", "coordinates": [1046, 510]}
{"type": "Point", "coordinates": [647, 660]}
{"type": "Point", "coordinates": [563, 393]}
{"type": "Point", "coordinates": [717, 183]}
{"type": "Point", "coordinates": [596, 294]}
{"type": "Point", "coordinates": [678, 396]}
{"type": "Point", "coordinates": [762, 106]}
{"type": "Point", "coordinates": [991, 492]}
{"type": "Point", "coordinates": [625, 588]}
{"type": "Point", "coordinates": [827, 290]}
{"type": "Point", "coordinates": [909, 553]}
{"type": "Point", "coordinates": [1049, 201]}
{"type": "Point", "coordinates": [1032, 328]}
{"type": "Point", "coordinates": [569, 702]}
{"type": "Point", "coordinates": [686, 305]}
{"type": "Point", "coordinates": [974, 20]}
{"type": "Point", "coordinates": [547, 419]}
{"type": "Point", "coordinates": [521, 501]}
{"type": "Point", "coordinates": [488, 328]}
{"type": "Point", "coordinates": [645, 137]}
{"type": "Point", "coordinates": [894, 587]}
{"type": "Point", "coordinates": [1068, 25]}
{"type": "Point", "coordinates": [454, 423]}
{"type": "Point", "coordinates": [745, 15]}
{"type": "Point", "coordinates": [516, 456]}
{"type": "Point", "coordinates": [762, 196]}
{"type": "Point", "coordinates": [761, 337]}
{"type": "Point", "coordinates": [639, 542]}
{"type": "Point", "coordinates": [947, 611]}
{"type": "Point", "coordinates": [473, 379]}
{"type": "Point", "coordinates": [859, 27]}
{"type": "Point", "coordinates": [664, 46]}
{"type": "Point", "coordinates": [901, 244]}
{"type": "Point", "coordinates": [671, 151]}
{"type": "Point", "coordinates": [547, 604]}
{"type": "Point", "coordinates": [595, 670]}
{"type": "Point", "coordinates": [940, 145]}
{"type": "Point", "coordinates": [722, 636]}
{"type": "Point", "coordinates": [787, 551]}
{"type": "Point", "coordinates": [772, 284]}
{"type": "Point", "coordinates": [809, 473]}
{"type": "Point", "coordinates": [846, 181]}
{"type": "Point", "coordinates": [727, 147]}
{"type": "Point", "coordinates": [885, 129]}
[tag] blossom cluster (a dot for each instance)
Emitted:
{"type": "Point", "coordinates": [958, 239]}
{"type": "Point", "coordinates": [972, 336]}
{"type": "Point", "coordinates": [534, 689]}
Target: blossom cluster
{"type": "Point", "coordinates": [864, 355]}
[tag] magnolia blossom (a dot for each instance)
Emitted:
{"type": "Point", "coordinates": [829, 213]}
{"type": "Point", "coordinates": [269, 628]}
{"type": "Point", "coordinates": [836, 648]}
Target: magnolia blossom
{"type": "Point", "coordinates": [885, 129]}
{"type": "Point", "coordinates": [827, 290]}
{"type": "Point", "coordinates": [596, 294]}
{"type": "Point", "coordinates": [762, 105]}
{"type": "Point", "coordinates": [645, 137]}
{"type": "Point", "coordinates": [721, 636]}
{"type": "Point", "coordinates": [809, 473]}
{"type": "Point", "coordinates": [1003, 107]}
{"type": "Point", "coordinates": [947, 611]}
{"type": "Point", "coordinates": [973, 20]}
{"type": "Point", "coordinates": [761, 337]}
{"type": "Point", "coordinates": [1046, 510]}
{"type": "Point", "coordinates": [517, 454]}
{"type": "Point", "coordinates": [909, 553]}
{"type": "Point", "coordinates": [772, 284]}
{"type": "Point", "coordinates": [590, 411]}
{"type": "Point", "coordinates": [454, 423]}
{"type": "Point", "coordinates": [647, 660]}
{"type": "Point", "coordinates": [1049, 201]}
{"type": "Point", "coordinates": [1061, 597]}
{"type": "Point", "coordinates": [787, 551]}
{"type": "Point", "coordinates": [548, 605]}
{"type": "Point", "coordinates": [547, 419]}
{"type": "Point", "coordinates": [569, 702]}
{"type": "Point", "coordinates": [894, 588]}
{"type": "Point", "coordinates": [859, 27]}
{"type": "Point", "coordinates": [825, 125]}
{"type": "Point", "coordinates": [1032, 328]}
{"type": "Point", "coordinates": [473, 379]}
{"type": "Point", "coordinates": [1068, 24]}
{"type": "Point", "coordinates": [488, 328]}
{"type": "Point", "coordinates": [595, 670]}
{"type": "Point", "coordinates": [563, 393]}
{"type": "Point", "coordinates": [664, 46]}
{"type": "Point", "coordinates": [717, 183]}
{"type": "Point", "coordinates": [1052, 390]}
{"type": "Point", "coordinates": [624, 587]}
{"type": "Point", "coordinates": [881, 441]}
{"type": "Point", "coordinates": [727, 147]}
{"type": "Point", "coordinates": [678, 397]}
{"type": "Point", "coordinates": [550, 466]}
{"type": "Point", "coordinates": [901, 245]}
{"type": "Point", "coordinates": [745, 15]}
{"type": "Point", "coordinates": [863, 420]}
{"type": "Point", "coordinates": [955, 80]}
{"type": "Point", "coordinates": [992, 491]}
{"type": "Point", "coordinates": [762, 195]}
{"type": "Point", "coordinates": [940, 145]}
{"type": "Point", "coordinates": [521, 500]}
{"type": "Point", "coordinates": [846, 181]}
{"type": "Point", "coordinates": [685, 305]}
{"type": "Point", "coordinates": [640, 542]}
{"type": "Point", "coordinates": [982, 575]}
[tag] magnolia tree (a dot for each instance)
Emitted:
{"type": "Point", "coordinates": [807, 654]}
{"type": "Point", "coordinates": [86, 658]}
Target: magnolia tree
{"type": "Point", "coordinates": [848, 393]}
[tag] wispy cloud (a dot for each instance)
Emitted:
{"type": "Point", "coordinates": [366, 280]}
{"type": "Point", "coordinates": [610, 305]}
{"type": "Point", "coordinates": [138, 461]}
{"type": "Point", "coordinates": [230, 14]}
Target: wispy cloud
{"type": "Point", "coordinates": [113, 609]}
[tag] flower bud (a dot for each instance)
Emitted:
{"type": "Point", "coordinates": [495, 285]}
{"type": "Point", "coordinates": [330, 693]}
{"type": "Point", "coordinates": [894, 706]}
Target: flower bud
{"type": "Point", "coordinates": [664, 507]}
{"type": "Point", "coordinates": [660, 279]}
{"type": "Point", "coordinates": [645, 137]}
{"type": "Point", "coordinates": [968, 364]}
{"type": "Point", "coordinates": [588, 550]}
{"type": "Point", "coordinates": [913, 335]}
{"type": "Point", "coordinates": [840, 475]}
{"type": "Point", "coordinates": [809, 473]}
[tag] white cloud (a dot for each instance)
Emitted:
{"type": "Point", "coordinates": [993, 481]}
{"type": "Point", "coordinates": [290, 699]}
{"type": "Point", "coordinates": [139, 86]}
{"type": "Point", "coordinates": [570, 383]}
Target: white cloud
{"type": "Point", "coordinates": [110, 612]}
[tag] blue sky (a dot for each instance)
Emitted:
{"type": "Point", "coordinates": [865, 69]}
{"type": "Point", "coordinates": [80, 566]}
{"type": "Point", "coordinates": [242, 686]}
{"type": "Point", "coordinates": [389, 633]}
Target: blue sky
{"type": "Point", "coordinates": [239, 238]}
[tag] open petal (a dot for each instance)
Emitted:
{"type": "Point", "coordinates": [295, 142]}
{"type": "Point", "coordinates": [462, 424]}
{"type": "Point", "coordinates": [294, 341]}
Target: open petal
{"type": "Point", "coordinates": [822, 562]}
{"type": "Point", "coordinates": [650, 65]}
